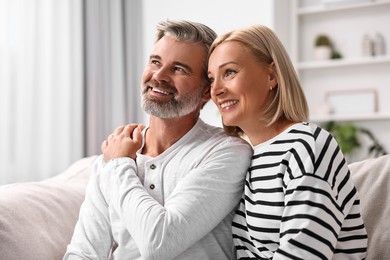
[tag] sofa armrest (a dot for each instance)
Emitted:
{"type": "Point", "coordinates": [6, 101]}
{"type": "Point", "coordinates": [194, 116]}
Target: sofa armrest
{"type": "Point", "coordinates": [37, 219]}
{"type": "Point", "coordinates": [372, 179]}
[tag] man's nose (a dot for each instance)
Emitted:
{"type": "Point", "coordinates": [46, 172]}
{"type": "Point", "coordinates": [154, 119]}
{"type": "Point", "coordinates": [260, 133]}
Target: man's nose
{"type": "Point", "coordinates": [162, 74]}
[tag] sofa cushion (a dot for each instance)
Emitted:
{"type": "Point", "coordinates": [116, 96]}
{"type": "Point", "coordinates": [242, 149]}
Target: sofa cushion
{"type": "Point", "coordinates": [37, 218]}
{"type": "Point", "coordinates": [372, 179]}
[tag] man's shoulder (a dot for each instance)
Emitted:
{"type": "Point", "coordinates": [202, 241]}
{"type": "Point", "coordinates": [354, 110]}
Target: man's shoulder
{"type": "Point", "coordinates": [218, 136]}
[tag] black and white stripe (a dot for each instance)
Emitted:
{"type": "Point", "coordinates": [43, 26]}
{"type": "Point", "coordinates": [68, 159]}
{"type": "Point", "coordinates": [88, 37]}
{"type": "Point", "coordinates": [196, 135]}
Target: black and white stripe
{"type": "Point", "coordinates": [299, 201]}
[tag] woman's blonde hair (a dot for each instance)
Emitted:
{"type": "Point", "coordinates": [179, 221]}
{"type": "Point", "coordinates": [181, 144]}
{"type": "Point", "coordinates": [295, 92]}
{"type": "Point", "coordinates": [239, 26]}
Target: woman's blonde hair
{"type": "Point", "coordinates": [289, 102]}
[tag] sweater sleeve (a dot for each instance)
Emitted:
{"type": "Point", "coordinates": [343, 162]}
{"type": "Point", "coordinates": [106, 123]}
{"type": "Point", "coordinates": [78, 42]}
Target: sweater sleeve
{"type": "Point", "coordinates": [311, 220]}
{"type": "Point", "coordinates": [199, 202]}
{"type": "Point", "coordinates": [92, 237]}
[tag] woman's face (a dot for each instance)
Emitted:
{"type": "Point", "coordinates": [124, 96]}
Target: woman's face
{"type": "Point", "coordinates": [240, 84]}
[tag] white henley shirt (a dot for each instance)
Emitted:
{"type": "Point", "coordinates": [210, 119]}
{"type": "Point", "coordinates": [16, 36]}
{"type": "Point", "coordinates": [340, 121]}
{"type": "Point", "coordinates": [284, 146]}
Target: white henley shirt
{"type": "Point", "coordinates": [179, 206]}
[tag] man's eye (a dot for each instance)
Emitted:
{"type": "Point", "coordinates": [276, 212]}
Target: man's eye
{"type": "Point", "coordinates": [180, 69]}
{"type": "Point", "coordinates": [156, 62]}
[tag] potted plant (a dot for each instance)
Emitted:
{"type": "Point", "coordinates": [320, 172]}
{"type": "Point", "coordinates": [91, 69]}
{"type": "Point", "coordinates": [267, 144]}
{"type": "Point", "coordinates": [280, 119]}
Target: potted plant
{"type": "Point", "coordinates": [347, 136]}
{"type": "Point", "coordinates": [323, 47]}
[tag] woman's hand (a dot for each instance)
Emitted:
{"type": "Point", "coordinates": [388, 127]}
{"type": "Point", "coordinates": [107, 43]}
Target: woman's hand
{"type": "Point", "coordinates": [124, 142]}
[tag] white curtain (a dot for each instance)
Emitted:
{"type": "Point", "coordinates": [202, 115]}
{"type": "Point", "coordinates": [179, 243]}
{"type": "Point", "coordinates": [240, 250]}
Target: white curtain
{"type": "Point", "coordinates": [41, 88]}
{"type": "Point", "coordinates": [69, 75]}
{"type": "Point", "coordinates": [113, 58]}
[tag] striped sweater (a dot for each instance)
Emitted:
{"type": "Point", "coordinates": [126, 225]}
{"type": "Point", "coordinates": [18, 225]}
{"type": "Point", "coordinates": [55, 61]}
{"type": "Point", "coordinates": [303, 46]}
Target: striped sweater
{"type": "Point", "coordinates": [299, 201]}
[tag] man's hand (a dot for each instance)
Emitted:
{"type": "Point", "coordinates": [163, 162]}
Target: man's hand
{"type": "Point", "coordinates": [124, 142]}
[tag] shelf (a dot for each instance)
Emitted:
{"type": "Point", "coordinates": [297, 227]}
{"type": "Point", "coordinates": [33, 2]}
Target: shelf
{"type": "Point", "coordinates": [348, 118]}
{"type": "Point", "coordinates": [342, 62]}
{"type": "Point", "coordinates": [345, 22]}
{"type": "Point", "coordinates": [339, 7]}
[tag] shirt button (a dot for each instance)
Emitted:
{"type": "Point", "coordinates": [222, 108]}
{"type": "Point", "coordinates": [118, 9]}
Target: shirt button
{"type": "Point", "coordinates": [152, 186]}
{"type": "Point", "coordinates": [152, 166]}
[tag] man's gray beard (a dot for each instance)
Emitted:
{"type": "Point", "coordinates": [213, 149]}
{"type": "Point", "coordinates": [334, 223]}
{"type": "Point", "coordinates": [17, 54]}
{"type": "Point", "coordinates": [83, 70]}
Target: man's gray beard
{"type": "Point", "coordinates": [173, 108]}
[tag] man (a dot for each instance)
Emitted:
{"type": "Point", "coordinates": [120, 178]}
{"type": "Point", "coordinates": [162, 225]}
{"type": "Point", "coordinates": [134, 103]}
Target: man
{"type": "Point", "coordinates": [166, 191]}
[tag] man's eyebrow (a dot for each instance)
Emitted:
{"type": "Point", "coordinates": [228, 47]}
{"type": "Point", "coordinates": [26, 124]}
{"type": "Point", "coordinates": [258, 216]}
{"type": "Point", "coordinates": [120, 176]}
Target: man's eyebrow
{"type": "Point", "coordinates": [176, 63]}
{"type": "Point", "coordinates": [154, 56]}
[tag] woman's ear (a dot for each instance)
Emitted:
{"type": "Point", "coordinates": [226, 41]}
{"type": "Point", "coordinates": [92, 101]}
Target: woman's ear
{"type": "Point", "coordinates": [273, 79]}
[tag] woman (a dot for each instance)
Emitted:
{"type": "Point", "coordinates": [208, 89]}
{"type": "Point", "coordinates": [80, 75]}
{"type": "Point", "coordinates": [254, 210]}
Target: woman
{"type": "Point", "coordinates": [299, 201]}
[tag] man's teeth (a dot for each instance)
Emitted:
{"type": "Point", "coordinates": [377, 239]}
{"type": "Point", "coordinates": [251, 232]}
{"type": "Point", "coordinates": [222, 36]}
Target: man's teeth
{"type": "Point", "coordinates": [229, 103]}
{"type": "Point", "coordinates": [161, 91]}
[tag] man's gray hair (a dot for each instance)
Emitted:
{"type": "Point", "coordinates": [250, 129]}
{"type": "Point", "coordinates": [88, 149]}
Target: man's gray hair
{"type": "Point", "coordinates": [187, 31]}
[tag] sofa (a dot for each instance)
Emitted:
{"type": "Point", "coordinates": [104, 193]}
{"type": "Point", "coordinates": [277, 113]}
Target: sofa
{"type": "Point", "coordinates": [37, 218]}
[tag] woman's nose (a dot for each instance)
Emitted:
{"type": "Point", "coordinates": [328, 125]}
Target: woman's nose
{"type": "Point", "coordinates": [216, 89]}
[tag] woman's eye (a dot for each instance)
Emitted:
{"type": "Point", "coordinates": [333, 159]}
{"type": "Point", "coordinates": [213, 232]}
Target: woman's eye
{"type": "Point", "coordinates": [230, 72]}
{"type": "Point", "coordinates": [211, 80]}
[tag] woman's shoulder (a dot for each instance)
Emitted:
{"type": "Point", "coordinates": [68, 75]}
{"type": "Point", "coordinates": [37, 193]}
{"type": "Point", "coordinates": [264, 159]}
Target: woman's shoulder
{"type": "Point", "coordinates": [312, 148]}
{"type": "Point", "coordinates": [302, 144]}
{"type": "Point", "coordinates": [309, 132]}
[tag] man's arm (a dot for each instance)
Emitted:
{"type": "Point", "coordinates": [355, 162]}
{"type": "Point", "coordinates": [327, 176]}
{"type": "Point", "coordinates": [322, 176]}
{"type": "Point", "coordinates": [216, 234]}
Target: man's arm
{"type": "Point", "coordinates": [92, 237]}
{"type": "Point", "coordinates": [200, 201]}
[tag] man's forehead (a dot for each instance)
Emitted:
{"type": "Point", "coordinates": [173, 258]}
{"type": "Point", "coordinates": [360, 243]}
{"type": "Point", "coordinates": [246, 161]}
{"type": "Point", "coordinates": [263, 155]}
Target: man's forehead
{"type": "Point", "coordinates": [179, 47]}
{"type": "Point", "coordinates": [171, 50]}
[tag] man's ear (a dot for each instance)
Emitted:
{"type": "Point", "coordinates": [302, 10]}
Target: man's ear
{"type": "Point", "coordinates": [206, 96]}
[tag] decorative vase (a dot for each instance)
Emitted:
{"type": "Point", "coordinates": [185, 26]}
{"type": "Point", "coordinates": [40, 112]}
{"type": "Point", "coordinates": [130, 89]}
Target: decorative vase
{"type": "Point", "coordinates": [322, 52]}
{"type": "Point", "coordinates": [379, 45]}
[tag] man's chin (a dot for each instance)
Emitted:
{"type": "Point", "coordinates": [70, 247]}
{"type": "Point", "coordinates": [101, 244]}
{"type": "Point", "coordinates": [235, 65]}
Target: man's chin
{"type": "Point", "coordinates": [160, 112]}
{"type": "Point", "coordinates": [168, 110]}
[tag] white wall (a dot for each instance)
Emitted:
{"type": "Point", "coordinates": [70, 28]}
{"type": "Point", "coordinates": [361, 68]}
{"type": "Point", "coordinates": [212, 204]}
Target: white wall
{"type": "Point", "coordinates": [220, 15]}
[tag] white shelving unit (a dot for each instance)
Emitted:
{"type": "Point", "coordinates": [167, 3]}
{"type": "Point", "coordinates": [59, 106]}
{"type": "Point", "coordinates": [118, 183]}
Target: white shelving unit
{"type": "Point", "coordinates": [343, 63]}
{"type": "Point", "coordinates": [352, 118]}
{"type": "Point", "coordinates": [345, 22]}
{"type": "Point", "coordinates": [341, 6]}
